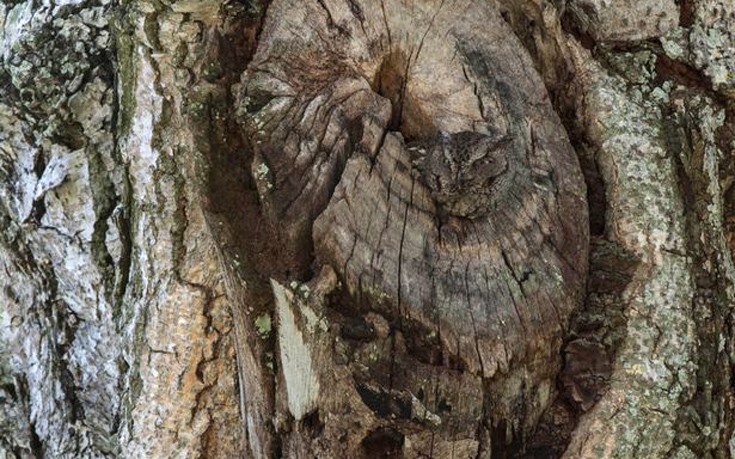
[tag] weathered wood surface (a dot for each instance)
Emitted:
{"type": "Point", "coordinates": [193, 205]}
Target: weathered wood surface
{"type": "Point", "coordinates": [472, 247]}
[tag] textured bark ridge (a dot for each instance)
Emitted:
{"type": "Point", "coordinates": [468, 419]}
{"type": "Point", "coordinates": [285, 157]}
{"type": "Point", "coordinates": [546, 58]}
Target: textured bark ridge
{"type": "Point", "coordinates": [416, 149]}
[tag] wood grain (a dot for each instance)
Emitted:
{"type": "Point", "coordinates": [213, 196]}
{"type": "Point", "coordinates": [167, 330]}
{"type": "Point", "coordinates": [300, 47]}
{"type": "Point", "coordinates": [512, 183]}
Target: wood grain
{"type": "Point", "coordinates": [476, 280]}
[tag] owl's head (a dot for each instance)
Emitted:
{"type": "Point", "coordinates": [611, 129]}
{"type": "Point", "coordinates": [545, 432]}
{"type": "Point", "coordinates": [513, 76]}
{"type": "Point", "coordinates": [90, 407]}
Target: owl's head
{"type": "Point", "coordinates": [461, 169]}
{"type": "Point", "coordinates": [480, 155]}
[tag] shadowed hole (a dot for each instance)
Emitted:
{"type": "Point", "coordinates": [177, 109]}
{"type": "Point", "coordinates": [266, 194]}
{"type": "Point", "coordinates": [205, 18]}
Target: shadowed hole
{"type": "Point", "coordinates": [407, 117]}
{"type": "Point", "coordinates": [383, 442]}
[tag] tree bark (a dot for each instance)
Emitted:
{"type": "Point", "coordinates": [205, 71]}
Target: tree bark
{"type": "Point", "coordinates": [341, 228]}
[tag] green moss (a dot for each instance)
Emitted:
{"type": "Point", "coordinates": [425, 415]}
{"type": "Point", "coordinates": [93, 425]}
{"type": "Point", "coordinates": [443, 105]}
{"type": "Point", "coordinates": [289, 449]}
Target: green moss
{"type": "Point", "coordinates": [263, 325]}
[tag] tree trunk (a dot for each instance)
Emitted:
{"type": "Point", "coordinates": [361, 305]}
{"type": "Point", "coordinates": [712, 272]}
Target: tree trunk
{"type": "Point", "coordinates": [353, 229]}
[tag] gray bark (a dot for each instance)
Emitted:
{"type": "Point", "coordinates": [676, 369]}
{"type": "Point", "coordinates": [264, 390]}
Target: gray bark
{"type": "Point", "coordinates": [341, 228]}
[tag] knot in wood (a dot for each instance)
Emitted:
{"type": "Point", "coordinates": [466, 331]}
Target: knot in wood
{"type": "Point", "coordinates": [468, 251]}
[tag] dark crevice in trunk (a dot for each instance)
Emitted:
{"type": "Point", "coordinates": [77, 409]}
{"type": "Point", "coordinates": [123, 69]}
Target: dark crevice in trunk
{"type": "Point", "coordinates": [39, 205]}
{"type": "Point", "coordinates": [383, 442]}
{"type": "Point", "coordinates": [686, 12]}
{"type": "Point", "coordinates": [251, 248]}
{"type": "Point", "coordinates": [124, 198]}
{"type": "Point", "coordinates": [571, 26]}
{"type": "Point", "coordinates": [390, 82]}
{"type": "Point", "coordinates": [726, 142]}
{"type": "Point", "coordinates": [35, 443]}
{"type": "Point", "coordinates": [681, 73]}
{"type": "Point", "coordinates": [105, 197]}
{"type": "Point", "coordinates": [23, 396]}
{"type": "Point", "coordinates": [60, 337]}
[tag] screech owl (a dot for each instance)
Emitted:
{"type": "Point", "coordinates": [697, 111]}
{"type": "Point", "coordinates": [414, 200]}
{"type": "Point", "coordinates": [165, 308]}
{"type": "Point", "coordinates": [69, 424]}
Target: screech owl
{"type": "Point", "coordinates": [463, 170]}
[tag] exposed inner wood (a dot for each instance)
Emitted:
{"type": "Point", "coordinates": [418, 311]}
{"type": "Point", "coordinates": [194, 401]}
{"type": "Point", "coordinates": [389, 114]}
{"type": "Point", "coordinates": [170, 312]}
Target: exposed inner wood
{"type": "Point", "coordinates": [468, 245]}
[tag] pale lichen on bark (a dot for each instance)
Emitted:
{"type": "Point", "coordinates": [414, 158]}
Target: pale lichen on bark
{"type": "Point", "coordinates": [183, 398]}
{"type": "Point", "coordinates": [57, 143]}
{"type": "Point", "coordinates": [108, 297]}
